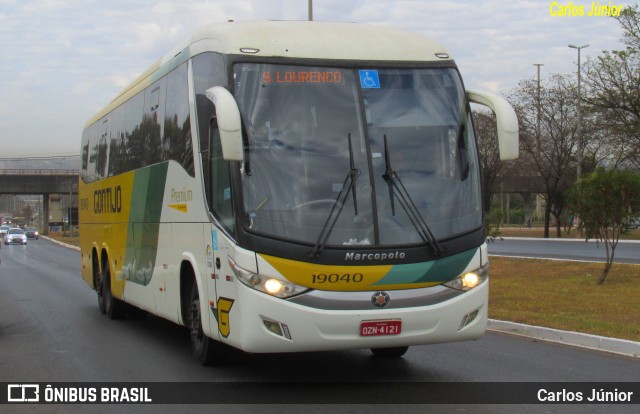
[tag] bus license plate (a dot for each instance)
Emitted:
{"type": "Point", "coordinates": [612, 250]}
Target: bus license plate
{"type": "Point", "coordinates": [381, 328]}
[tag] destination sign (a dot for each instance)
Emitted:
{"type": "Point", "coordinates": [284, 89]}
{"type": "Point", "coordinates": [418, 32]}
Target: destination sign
{"type": "Point", "coordinates": [312, 76]}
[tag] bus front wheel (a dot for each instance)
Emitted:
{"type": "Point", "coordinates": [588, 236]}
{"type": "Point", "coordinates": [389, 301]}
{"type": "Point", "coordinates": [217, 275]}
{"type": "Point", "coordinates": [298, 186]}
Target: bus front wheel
{"type": "Point", "coordinates": [207, 351]}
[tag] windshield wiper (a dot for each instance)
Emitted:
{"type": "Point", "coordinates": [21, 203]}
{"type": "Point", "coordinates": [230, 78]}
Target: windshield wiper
{"type": "Point", "coordinates": [397, 189]}
{"type": "Point", "coordinates": [352, 176]}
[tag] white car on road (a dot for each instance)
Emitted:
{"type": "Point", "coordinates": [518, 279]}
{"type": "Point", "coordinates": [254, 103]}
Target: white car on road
{"type": "Point", "coordinates": [15, 236]}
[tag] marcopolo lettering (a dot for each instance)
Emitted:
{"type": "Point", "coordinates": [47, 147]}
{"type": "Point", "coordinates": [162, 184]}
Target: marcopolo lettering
{"type": "Point", "coordinates": [374, 256]}
{"type": "Point", "coordinates": [107, 200]}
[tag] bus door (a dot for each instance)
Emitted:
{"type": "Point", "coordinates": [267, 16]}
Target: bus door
{"type": "Point", "coordinates": [221, 284]}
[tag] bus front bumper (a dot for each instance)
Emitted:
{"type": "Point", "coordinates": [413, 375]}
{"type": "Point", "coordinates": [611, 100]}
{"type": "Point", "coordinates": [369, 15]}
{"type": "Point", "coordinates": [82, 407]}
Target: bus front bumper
{"type": "Point", "coordinates": [265, 324]}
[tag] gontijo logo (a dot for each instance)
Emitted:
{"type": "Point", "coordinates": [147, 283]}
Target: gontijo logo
{"type": "Point", "coordinates": [107, 200]}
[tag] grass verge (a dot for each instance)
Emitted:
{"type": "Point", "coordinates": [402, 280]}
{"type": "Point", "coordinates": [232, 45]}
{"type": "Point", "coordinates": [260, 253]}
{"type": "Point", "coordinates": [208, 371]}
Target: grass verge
{"type": "Point", "coordinates": [564, 295]}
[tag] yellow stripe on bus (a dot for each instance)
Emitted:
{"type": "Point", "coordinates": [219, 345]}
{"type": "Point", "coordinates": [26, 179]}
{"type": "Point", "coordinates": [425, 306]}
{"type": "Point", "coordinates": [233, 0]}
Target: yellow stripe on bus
{"type": "Point", "coordinates": [337, 277]}
{"type": "Point", "coordinates": [328, 277]}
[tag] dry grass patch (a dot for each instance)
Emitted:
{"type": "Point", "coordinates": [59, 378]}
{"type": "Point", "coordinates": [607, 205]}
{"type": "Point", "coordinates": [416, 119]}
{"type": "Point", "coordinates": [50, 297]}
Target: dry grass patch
{"type": "Point", "coordinates": [564, 295]}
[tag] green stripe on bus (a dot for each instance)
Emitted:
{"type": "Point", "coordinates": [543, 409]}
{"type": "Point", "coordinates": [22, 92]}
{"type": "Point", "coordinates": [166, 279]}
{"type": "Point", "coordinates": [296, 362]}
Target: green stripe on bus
{"type": "Point", "coordinates": [441, 270]}
{"type": "Point", "coordinates": [144, 218]}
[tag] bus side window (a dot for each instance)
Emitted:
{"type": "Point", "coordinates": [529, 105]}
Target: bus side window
{"type": "Point", "coordinates": [220, 180]}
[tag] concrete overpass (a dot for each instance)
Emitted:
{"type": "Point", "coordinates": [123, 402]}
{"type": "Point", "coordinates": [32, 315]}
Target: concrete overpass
{"type": "Point", "coordinates": [45, 182]}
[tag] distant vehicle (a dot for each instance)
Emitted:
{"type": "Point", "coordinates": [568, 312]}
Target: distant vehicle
{"type": "Point", "coordinates": [4, 230]}
{"type": "Point", "coordinates": [15, 236]}
{"type": "Point", "coordinates": [32, 233]}
{"type": "Point", "coordinates": [634, 223]}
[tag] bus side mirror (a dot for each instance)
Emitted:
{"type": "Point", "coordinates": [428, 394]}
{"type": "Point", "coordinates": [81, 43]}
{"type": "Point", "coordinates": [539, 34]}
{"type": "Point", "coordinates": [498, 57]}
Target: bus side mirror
{"type": "Point", "coordinates": [507, 122]}
{"type": "Point", "coordinates": [229, 123]}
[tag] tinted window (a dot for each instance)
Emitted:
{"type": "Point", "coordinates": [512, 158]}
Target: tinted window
{"type": "Point", "coordinates": [117, 143]}
{"type": "Point", "coordinates": [177, 128]}
{"type": "Point", "coordinates": [92, 151]}
{"type": "Point", "coordinates": [208, 71]}
{"type": "Point", "coordinates": [219, 195]}
{"type": "Point", "coordinates": [151, 127]}
{"type": "Point", "coordinates": [84, 156]}
{"type": "Point", "coordinates": [134, 139]}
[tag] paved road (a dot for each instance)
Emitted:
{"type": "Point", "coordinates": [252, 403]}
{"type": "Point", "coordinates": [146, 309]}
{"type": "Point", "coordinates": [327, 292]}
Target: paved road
{"type": "Point", "coordinates": [51, 330]}
{"type": "Point", "coordinates": [565, 249]}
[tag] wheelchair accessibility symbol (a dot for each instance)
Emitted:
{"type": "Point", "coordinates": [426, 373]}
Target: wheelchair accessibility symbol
{"type": "Point", "coordinates": [369, 79]}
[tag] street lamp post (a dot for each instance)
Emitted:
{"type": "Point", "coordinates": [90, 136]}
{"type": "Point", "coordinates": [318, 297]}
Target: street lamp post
{"type": "Point", "coordinates": [538, 110]}
{"type": "Point", "coordinates": [579, 126]}
{"type": "Point", "coordinates": [579, 132]}
{"type": "Point", "coordinates": [310, 8]}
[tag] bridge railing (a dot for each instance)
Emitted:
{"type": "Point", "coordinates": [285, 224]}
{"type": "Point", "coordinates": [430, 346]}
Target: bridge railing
{"type": "Point", "coordinates": [31, 171]}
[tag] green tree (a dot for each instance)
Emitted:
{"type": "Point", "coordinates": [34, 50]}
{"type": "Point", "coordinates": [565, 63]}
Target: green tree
{"type": "Point", "coordinates": [492, 222]}
{"type": "Point", "coordinates": [27, 213]}
{"type": "Point", "coordinates": [606, 200]}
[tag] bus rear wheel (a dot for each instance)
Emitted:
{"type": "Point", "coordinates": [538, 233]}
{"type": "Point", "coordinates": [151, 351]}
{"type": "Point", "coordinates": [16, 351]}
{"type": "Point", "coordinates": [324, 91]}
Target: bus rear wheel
{"type": "Point", "coordinates": [100, 291]}
{"type": "Point", "coordinates": [113, 307]}
{"type": "Point", "coordinates": [97, 283]}
{"type": "Point", "coordinates": [395, 352]}
{"type": "Point", "coordinates": [207, 351]}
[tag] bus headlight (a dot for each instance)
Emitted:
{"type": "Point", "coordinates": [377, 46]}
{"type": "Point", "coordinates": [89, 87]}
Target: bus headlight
{"type": "Point", "coordinates": [469, 280]}
{"type": "Point", "coordinates": [270, 285]}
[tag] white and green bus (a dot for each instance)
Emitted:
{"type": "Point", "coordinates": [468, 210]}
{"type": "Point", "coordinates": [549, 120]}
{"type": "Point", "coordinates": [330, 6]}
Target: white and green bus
{"type": "Point", "coordinates": [292, 186]}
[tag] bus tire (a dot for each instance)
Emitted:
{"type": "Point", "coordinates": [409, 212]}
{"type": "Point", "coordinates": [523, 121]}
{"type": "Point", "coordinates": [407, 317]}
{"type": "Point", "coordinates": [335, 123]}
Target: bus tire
{"type": "Point", "coordinates": [98, 283]}
{"type": "Point", "coordinates": [395, 352]}
{"type": "Point", "coordinates": [207, 351]}
{"type": "Point", "coordinates": [114, 308]}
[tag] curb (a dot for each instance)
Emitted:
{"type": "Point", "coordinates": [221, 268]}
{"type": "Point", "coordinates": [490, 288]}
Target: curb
{"type": "Point", "coordinates": [599, 343]}
{"type": "Point", "coordinates": [59, 243]}
{"type": "Point", "coordinates": [563, 239]}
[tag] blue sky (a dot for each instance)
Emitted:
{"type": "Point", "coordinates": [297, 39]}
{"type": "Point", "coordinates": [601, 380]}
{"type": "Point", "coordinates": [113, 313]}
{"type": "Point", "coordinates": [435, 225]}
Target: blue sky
{"type": "Point", "coordinates": [62, 60]}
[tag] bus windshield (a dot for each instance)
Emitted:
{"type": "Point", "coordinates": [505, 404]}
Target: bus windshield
{"type": "Point", "coordinates": [381, 151]}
